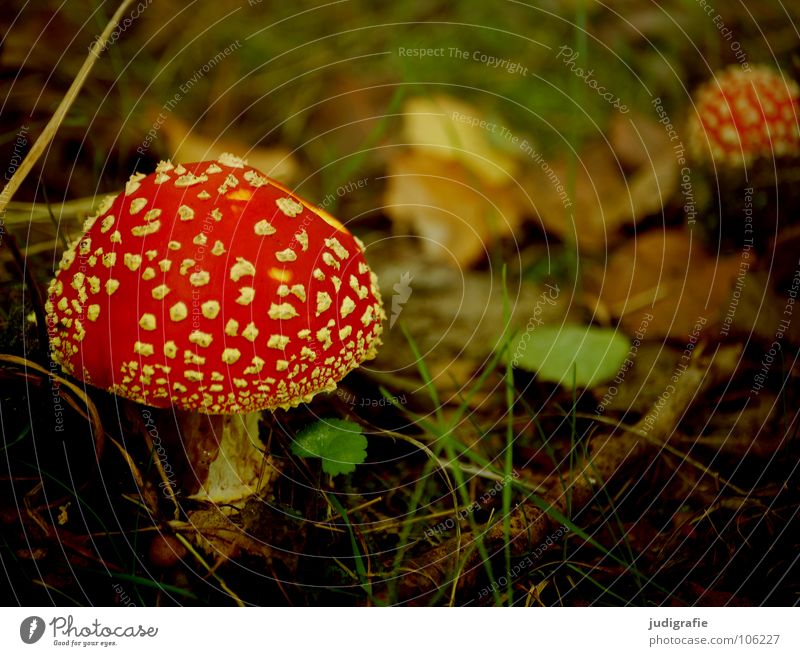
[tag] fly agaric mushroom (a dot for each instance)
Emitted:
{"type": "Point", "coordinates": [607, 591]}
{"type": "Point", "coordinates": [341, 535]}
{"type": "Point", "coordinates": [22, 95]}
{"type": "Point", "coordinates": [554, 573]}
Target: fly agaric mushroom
{"type": "Point", "coordinates": [742, 115]}
{"type": "Point", "coordinates": [212, 288]}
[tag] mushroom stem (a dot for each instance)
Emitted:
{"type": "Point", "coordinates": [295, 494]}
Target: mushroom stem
{"type": "Point", "coordinates": [226, 455]}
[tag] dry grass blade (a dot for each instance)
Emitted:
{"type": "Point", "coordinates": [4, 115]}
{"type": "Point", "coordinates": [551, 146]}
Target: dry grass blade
{"type": "Point", "coordinates": [54, 123]}
{"type": "Point", "coordinates": [608, 455]}
{"type": "Point", "coordinates": [88, 411]}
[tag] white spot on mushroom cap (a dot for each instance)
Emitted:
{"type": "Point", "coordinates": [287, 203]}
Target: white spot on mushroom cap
{"type": "Point", "coordinates": [348, 305]}
{"type": "Point", "coordinates": [170, 349]}
{"type": "Point", "coordinates": [133, 183]}
{"type": "Point", "coordinates": [179, 311]}
{"type": "Point", "coordinates": [231, 355]}
{"type": "Point", "coordinates": [143, 348]}
{"type": "Point", "coordinates": [302, 239]}
{"type": "Point", "coordinates": [286, 255]}
{"type": "Point", "coordinates": [242, 268]}
{"type": "Point", "coordinates": [254, 179]}
{"type": "Point", "coordinates": [263, 228]}
{"type": "Point", "coordinates": [190, 357]}
{"type": "Point", "coordinates": [147, 321]}
{"type": "Point", "coordinates": [160, 291]}
{"type": "Point", "coordinates": [200, 338]}
{"type": "Point", "coordinates": [298, 290]}
{"type": "Point", "coordinates": [367, 317]}
{"type": "Point", "coordinates": [289, 206]}
{"type": "Point", "coordinates": [210, 309]}
{"type": "Point", "coordinates": [200, 278]}
{"type": "Point", "coordinates": [330, 260]}
{"type": "Point", "coordinates": [186, 213]}
{"type": "Point", "coordinates": [250, 332]}
{"type": "Point", "coordinates": [324, 336]}
{"type": "Point", "coordinates": [246, 295]}
{"type": "Point", "coordinates": [282, 311]}
{"type": "Point", "coordinates": [189, 179]}
{"type": "Point", "coordinates": [106, 223]}
{"type": "Point", "coordinates": [278, 341]}
{"type": "Point", "coordinates": [228, 159]}
{"type": "Point", "coordinates": [146, 229]}
{"type": "Point", "coordinates": [256, 367]}
{"type": "Point", "coordinates": [323, 302]}
{"type": "Point", "coordinates": [132, 261]}
{"type": "Point", "coordinates": [336, 247]}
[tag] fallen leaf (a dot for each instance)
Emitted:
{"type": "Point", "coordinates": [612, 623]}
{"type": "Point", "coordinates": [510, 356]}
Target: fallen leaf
{"type": "Point", "coordinates": [453, 130]}
{"type": "Point", "coordinates": [664, 281]}
{"type": "Point", "coordinates": [582, 356]}
{"type": "Point", "coordinates": [604, 198]}
{"type": "Point", "coordinates": [637, 139]}
{"type": "Point", "coordinates": [457, 216]}
{"type": "Point", "coordinates": [584, 217]}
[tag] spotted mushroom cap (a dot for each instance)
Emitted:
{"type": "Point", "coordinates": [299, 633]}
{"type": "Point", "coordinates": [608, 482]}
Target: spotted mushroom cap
{"type": "Point", "coordinates": [211, 287]}
{"type": "Point", "coordinates": [741, 115]}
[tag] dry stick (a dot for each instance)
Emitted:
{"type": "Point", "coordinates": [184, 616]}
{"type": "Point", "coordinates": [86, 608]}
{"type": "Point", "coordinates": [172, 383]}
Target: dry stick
{"type": "Point", "coordinates": [66, 102]}
{"type": "Point", "coordinates": [529, 524]}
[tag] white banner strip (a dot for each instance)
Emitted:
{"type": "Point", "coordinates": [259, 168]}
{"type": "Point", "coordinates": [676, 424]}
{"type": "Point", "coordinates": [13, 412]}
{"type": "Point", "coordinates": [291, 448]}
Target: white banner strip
{"type": "Point", "coordinates": [390, 631]}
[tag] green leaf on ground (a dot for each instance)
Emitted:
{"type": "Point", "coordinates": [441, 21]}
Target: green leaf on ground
{"type": "Point", "coordinates": [554, 353]}
{"type": "Point", "coordinates": [339, 443]}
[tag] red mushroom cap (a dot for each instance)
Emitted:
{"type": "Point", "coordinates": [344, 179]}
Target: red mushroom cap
{"type": "Point", "coordinates": [211, 287]}
{"type": "Point", "coordinates": [741, 115]}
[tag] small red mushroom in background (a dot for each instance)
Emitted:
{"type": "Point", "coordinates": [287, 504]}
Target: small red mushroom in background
{"type": "Point", "coordinates": [745, 114]}
{"type": "Point", "coordinates": [211, 288]}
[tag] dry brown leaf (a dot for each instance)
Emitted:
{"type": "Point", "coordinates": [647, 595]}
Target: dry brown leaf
{"type": "Point", "coordinates": [605, 199]}
{"type": "Point", "coordinates": [666, 274]}
{"type": "Point", "coordinates": [587, 218]}
{"type": "Point", "coordinates": [453, 130]}
{"type": "Point", "coordinates": [187, 145]}
{"type": "Point", "coordinates": [637, 139]}
{"type": "Point", "coordinates": [456, 215]}
{"type": "Point", "coordinates": [220, 536]}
